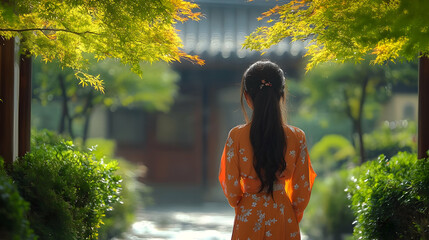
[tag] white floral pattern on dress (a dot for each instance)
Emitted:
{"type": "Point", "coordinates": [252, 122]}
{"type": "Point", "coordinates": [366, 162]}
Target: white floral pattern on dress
{"type": "Point", "coordinates": [230, 154]}
{"type": "Point", "coordinates": [303, 152]}
{"type": "Point", "coordinates": [258, 224]}
{"type": "Point", "coordinates": [268, 222]}
{"type": "Point", "coordinates": [244, 214]}
{"type": "Point", "coordinates": [282, 209]}
{"type": "Point", "coordinates": [229, 142]}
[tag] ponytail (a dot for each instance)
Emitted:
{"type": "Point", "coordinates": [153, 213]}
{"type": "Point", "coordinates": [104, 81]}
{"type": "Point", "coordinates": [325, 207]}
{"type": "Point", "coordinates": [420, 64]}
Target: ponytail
{"type": "Point", "coordinates": [264, 83]}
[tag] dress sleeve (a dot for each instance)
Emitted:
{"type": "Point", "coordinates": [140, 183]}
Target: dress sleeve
{"type": "Point", "coordinates": [299, 188]}
{"type": "Point", "coordinates": [229, 172]}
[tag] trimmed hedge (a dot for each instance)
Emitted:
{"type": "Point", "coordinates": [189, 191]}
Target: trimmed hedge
{"type": "Point", "coordinates": [390, 198]}
{"type": "Point", "coordinates": [69, 190]}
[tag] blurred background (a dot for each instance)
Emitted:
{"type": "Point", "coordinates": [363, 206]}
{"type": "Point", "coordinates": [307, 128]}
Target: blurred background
{"type": "Point", "coordinates": [168, 129]}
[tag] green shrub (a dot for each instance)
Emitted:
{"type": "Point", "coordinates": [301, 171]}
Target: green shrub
{"type": "Point", "coordinates": [122, 216]}
{"type": "Point", "coordinates": [13, 222]}
{"type": "Point", "coordinates": [328, 215]}
{"type": "Point", "coordinates": [333, 152]}
{"type": "Point", "coordinates": [69, 190]}
{"type": "Point", "coordinates": [390, 198]}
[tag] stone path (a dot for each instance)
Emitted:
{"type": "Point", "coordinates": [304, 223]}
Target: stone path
{"type": "Point", "coordinates": [208, 221]}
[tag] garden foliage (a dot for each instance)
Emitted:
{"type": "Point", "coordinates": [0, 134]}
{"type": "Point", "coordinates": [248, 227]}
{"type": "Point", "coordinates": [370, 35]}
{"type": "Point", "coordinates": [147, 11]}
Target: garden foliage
{"type": "Point", "coordinates": [390, 198]}
{"type": "Point", "coordinates": [341, 30]}
{"type": "Point", "coordinates": [132, 31]}
{"type": "Point", "coordinates": [328, 215]}
{"type": "Point", "coordinates": [133, 194]}
{"type": "Point", "coordinates": [13, 209]}
{"type": "Point", "coordinates": [389, 140]}
{"type": "Point", "coordinates": [332, 153]}
{"type": "Point", "coordinates": [69, 190]}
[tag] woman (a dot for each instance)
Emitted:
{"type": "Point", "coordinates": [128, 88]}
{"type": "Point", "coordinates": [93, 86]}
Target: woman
{"type": "Point", "coordinates": [265, 171]}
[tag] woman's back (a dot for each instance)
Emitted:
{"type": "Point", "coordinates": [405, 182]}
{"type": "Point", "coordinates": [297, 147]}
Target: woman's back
{"type": "Point", "coordinates": [258, 215]}
{"type": "Point", "coordinates": [265, 170]}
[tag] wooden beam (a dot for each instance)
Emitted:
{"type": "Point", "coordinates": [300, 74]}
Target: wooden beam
{"type": "Point", "coordinates": [423, 122]}
{"type": "Point", "coordinates": [24, 119]}
{"type": "Point", "coordinates": [7, 95]}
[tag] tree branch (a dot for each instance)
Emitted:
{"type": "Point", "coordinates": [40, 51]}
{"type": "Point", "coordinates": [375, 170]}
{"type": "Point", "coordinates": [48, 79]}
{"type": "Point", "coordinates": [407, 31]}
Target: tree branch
{"type": "Point", "coordinates": [46, 29]}
{"type": "Point", "coordinates": [363, 97]}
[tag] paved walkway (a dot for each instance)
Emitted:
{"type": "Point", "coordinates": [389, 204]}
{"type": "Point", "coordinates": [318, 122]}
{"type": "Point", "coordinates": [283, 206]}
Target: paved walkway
{"type": "Point", "coordinates": [208, 221]}
{"type": "Point", "coordinates": [183, 213]}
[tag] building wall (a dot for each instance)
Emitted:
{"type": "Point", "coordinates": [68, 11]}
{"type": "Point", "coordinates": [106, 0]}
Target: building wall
{"type": "Point", "coordinates": [402, 106]}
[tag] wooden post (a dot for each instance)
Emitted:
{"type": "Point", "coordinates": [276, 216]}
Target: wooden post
{"type": "Point", "coordinates": [7, 102]}
{"type": "Point", "coordinates": [423, 122]}
{"type": "Point", "coordinates": [24, 119]}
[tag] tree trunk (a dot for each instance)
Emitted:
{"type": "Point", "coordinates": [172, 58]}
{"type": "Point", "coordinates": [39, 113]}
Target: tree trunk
{"type": "Point", "coordinates": [361, 143]}
{"type": "Point", "coordinates": [64, 110]}
{"type": "Point", "coordinates": [87, 114]}
{"type": "Point", "coordinates": [7, 100]}
{"type": "Point", "coordinates": [24, 121]}
{"type": "Point", "coordinates": [65, 114]}
{"type": "Point", "coordinates": [352, 119]}
{"type": "Point", "coordinates": [359, 120]}
{"type": "Point", "coordinates": [423, 121]}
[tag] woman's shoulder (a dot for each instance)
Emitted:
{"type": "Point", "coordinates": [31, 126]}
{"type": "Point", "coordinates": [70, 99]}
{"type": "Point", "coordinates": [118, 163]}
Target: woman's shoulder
{"type": "Point", "coordinates": [294, 132]}
{"type": "Point", "coordinates": [239, 130]}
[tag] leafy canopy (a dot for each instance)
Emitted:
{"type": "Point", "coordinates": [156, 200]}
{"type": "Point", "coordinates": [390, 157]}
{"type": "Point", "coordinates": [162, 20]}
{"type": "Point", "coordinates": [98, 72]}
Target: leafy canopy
{"type": "Point", "coordinates": [132, 31]}
{"type": "Point", "coordinates": [341, 30]}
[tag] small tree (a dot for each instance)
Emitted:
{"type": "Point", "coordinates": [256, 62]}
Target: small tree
{"type": "Point", "coordinates": [73, 32]}
{"type": "Point", "coordinates": [132, 31]}
{"type": "Point", "coordinates": [354, 91]}
{"type": "Point", "coordinates": [346, 90]}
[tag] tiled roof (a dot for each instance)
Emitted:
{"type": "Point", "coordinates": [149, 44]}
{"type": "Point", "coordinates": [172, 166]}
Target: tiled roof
{"type": "Point", "coordinates": [222, 30]}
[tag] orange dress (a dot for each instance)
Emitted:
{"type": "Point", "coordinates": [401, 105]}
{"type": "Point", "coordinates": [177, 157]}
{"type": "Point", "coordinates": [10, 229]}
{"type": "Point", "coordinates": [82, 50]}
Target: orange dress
{"type": "Point", "coordinates": [257, 215]}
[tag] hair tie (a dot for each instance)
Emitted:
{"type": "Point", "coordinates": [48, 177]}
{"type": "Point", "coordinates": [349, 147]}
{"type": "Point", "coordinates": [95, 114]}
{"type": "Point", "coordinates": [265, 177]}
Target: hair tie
{"type": "Point", "coordinates": [265, 84]}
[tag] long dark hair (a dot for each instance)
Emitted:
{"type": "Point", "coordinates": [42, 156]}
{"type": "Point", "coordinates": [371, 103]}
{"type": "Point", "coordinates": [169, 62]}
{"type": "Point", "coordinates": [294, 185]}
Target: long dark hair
{"type": "Point", "coordinates": [264, 83]}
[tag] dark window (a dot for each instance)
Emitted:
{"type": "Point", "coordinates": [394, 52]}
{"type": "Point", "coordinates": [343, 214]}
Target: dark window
{"type": "Point", "coordinates": [409, 112]}
{"type": "Point", "coordinates": [127, 126]}
{"type": "Point", "coordinates": [177, 127]}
